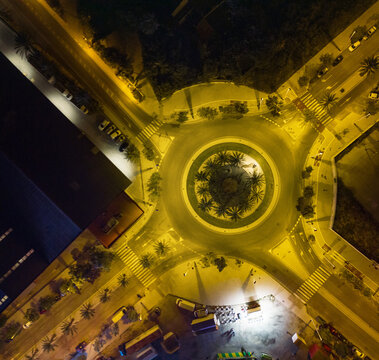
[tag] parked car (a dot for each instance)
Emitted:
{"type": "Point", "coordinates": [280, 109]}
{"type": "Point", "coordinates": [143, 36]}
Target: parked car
{"type": "Point", "coordinates": [337, 60]}
{"type": "Point", "coordinates": [322, 72]}
{"type": "Point", "coordinates": [115, 134]}
{"type": "Point", "coordinates": [371, 30]}
{"type": "Point", "coordinates": [120, 139]}
{"type": "Point", "coordinates": [373, 95]}
{"type": "Point", "coordinates": [110, 129]}
{"type": "Point", "coordinates": [123, 146]}
{"type": "Point", "coordinates": [352, 47]}
{"type": "Point", "coordinates": [84, 109]}
{"type": "Point", "coordinates": [67, 95]}
{"type": "Point", "coordinates": [358, 352]}
{"type": "Point", "coordinates": [103, 124]}
{"type": "Point", "coordinates": [81, 347]}
{"type": "Point", "coordinates": [27, 325]}
{"type": "Point", "coordinates": [199, 313]}
{"type": "Point", "coordinates": [138, 95]}
{"type": "Point", "coordinates": [51, 80]}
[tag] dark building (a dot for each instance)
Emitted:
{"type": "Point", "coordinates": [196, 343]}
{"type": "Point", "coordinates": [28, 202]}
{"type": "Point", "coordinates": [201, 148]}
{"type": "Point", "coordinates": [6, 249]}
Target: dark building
{"type": "Point", "coordinates": [53, 182]}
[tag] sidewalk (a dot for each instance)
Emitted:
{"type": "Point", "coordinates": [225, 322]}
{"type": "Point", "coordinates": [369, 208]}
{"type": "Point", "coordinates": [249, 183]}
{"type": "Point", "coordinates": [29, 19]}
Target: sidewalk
{"type": "Point", "coordinates": [323, 177]}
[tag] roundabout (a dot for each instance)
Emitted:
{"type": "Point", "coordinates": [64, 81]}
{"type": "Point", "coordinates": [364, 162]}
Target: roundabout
{"type": "Point", "coordinates": [266, 151]}
{"type": "Point", "coordinates": [230, 184]}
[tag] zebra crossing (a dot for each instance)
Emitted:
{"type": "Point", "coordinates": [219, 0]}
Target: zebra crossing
{"type": "Point", "coordinates": [145, 276]}
{"type": "Point", "coordinates": [337, 257]}
{"type": "Point", "coordinates": [312, 104]}
{"type": "Point", "coordinates": [149, 130]}
{"type": "Point", "coordinates": [309, 287]}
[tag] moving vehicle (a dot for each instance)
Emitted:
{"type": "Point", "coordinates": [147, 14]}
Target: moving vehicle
{"type": "Point", "coordinates": [119, 314]}
{"type": "Point", "coordinates": [210, 322]}
{"type": "Point", "coordinates": [140, 341]}
{"type": "Point", "coordinates": [103, 124]}
{"type": "Point", "coordinates": [81, 347]}
{"type": "Point", "coordinates": [186, 305]}
{"type": "Point", "coordinates": [115, 134]}
{"type": "Point", "coordinates": [322, 72]}
{"type": "Point", "coordinates": [337, 60]}
{"type": "Point", "coordinates": [27, 325]}
{"type": "Point", "coordinates": [352, 47]}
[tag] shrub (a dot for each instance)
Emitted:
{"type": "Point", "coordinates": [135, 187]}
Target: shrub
{"type": "Point", "coordinates": [220, 263]}
{"type": "Point", "coordinates": [3, 320]}
{"type": "Point", "coordinates": [207, 112]}
{"type": "Point", "coordinates": [46, 302]}
{"type": "Point", "coordinates": [31, 315]}
{"type": "Point", "coordinates": [149, 153]}
{"type": "Point", "coordinates": [367, 292]}
{"type": "Point", "coordinates": [303, 81]}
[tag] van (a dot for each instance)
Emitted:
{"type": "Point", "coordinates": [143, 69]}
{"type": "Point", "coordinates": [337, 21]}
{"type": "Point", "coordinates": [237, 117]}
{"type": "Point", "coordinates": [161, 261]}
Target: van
{"type": "Point", "coordinates": [147, 354]}
{"type": "Point", "coordinates": [210, 322]}
{"type": "Point", "coordinates": [118, 315]}
{"type": "Point", "coordinates": [186, 305]}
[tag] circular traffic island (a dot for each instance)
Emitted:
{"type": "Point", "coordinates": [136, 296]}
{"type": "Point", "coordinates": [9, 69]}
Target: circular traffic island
{"type": "Point", "coordinates": [230, 186]}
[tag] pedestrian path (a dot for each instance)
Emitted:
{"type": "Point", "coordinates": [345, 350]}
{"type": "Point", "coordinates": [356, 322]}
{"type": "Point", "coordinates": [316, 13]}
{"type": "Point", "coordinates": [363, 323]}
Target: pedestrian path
{"type": "Point", "coordinates": [312, 284]}
{"type": "Point", "coordinates": [312, 104]}
{"type": "Point", "coordinates": [149, 130]}
{"type": "Point", "coordinates": [145, 276]}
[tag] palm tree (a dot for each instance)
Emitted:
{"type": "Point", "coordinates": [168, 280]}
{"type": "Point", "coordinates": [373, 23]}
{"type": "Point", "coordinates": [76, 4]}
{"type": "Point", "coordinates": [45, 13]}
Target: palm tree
{"type": "Point", "coordinates": [220, 210]}
{"type": "Point", "coordinates": [48, 343]}
{"type": "Point", "coordinates": [146, 261]}
{"type": "Point", "coordinates": [369, 66]}
{"type": "Point", "coordinates": [33, 355]}
{"type": "Point", "coordinates": [23, 45]}
{"type": "Point", "coordinates": [123, 280]}
{"type": "Point", "coordinates": [236, 158]}
{"type": "Point", "coordinates": [328, 100]}
{"type": "Point", "coordinates": [69, 327]}
{"type": "Point", "coordinates": [222, 157]}
{"type": "Point", "coordinates": [234, 213]}
{"type": "Point", "coordinates": [201, 176]}
{"type": "Point", "coordinates": [257, 195]}
{"type": "Point", "coordinates": [205, 204]}
{"type": "Point", "coordinates": [256, 180]}
{"type": "Point", "coordinates": [161, 248]}
{"type": "Point", "coordinates": [211, 165]}
{"type": "Point", "coordinates": [87, 311]}
{"type": "Point", "coordinates": [132, 153]}
{"type": "Point", "coordinates": [202, 190]}
{"type": "Point", "coordinates": [105, 295]}
{"type": "Point", "coordinates": [247, 204]}
{"type": "Point", "coordinates": [274, 105]}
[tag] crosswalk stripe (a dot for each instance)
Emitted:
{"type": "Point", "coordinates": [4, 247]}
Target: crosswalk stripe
{"type": "Point", "coordinates": [312, 104]}
{"type": "Point", "coordinates": [309, 287]}
{"type": "Point", "coordinates": [145, 276]}
{"type": "Point", "coordinates": [150, 130]}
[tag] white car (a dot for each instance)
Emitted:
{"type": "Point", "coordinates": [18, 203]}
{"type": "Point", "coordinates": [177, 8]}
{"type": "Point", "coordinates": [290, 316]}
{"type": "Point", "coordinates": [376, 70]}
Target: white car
{"type": "Point", "coordinates": [115, 134]}
{"type": "Point", "coordinates": [354, 46]}
{"type": "Point", "coordinates": [373, 95]}
{"type": "Point", "coordinates": [27, 325]}
{"type": "Point", "coordinates": [358, 352]}
{"type": "Point", "coordinates": [103, 124]}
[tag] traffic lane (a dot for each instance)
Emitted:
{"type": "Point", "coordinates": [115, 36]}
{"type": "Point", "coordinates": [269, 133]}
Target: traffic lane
{"type": "Point", "coordinates": [350, 63]}
{"type": "Point", "coordinates": [278, 148]}
{"type": "Point", "coordinates": [83, 66]}
{"type": "Point", "coordinates": [343, 324]}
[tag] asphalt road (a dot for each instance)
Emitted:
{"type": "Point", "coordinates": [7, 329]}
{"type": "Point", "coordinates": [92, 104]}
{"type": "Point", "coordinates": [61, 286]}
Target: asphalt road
{"type": "Point", "coordinates": [288, 158]}
{"type": "Point", "coordinates": [350, 64]}
{"type": "Point", "coordinates": [49, 34]}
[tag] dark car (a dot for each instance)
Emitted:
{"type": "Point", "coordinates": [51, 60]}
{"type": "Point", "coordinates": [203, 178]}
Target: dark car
{"type": "Point", "coordinates": [123, 146]}
{"type": "Point", "coordinates": [122, 350]}
{"type": "Point", "coordinates": [80, 347]}
{"type": "Point", "coordinates": [337, 60]}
